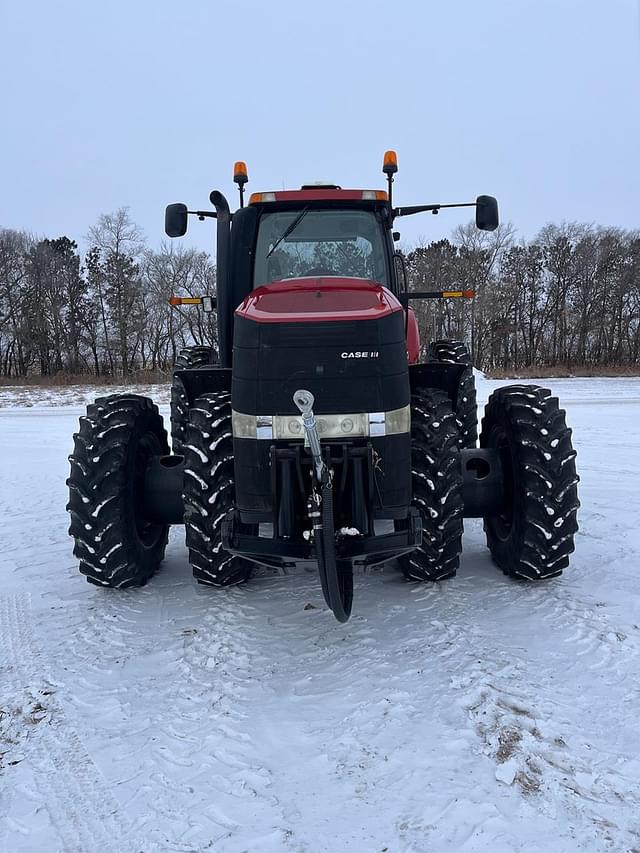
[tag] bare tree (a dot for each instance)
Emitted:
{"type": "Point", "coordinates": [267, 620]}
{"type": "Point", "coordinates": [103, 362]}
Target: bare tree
{"type": "Point", "coordinates": [118, 246]}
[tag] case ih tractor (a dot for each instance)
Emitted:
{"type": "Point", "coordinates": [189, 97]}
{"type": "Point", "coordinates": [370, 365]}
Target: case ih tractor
{"type": "Point", "coordinates": [315, 434]}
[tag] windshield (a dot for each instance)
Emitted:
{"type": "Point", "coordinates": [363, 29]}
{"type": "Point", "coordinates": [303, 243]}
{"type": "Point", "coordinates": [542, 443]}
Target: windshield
{"type": "Point", "coordinates": [320, 242]}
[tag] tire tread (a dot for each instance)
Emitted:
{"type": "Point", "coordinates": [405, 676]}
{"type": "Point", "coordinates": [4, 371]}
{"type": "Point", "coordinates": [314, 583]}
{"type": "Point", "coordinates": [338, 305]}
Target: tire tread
{"type": "Point", "coordinates": [187, 358]}
{"type": "Point", "coordinates": [545, 482]}
{"type": "Point", "coordinates": [437, 488]}
{"type": "Point", "coordinates": [457, 352]}
{"type": "Point", "coordinates": [209, 492]}
{"type": "Point", "coordinates": [109, 553]}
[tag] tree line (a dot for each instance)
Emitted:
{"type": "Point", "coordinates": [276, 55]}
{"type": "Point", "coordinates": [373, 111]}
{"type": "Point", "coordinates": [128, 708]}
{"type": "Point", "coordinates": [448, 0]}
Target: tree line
{"type": "Point", "coordinates": [570, 298]}
{"type": "Point", "coordinates": [105, 314]}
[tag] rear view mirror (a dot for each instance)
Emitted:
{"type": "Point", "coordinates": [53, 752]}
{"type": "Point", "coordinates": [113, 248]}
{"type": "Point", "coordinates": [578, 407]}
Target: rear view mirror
{"type": "Point", "coordinates": [486, 213]}
{"type": "Point", "coordinates": [175, 220]}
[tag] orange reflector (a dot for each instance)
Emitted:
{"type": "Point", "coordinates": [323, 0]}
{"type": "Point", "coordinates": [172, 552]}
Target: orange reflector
{"type": "Point", "coordinates": [390, 163]}
{"type": "Point", "coordinates": [458, 293]}
{"type": "Point", "coordinates": [185, 300]}
{"type": "Point", "coordinates": [256, 198]}
{"type": "Point", "coordinates": [374, 195]}
{"type": "Point", "coordinates": [240, 174]}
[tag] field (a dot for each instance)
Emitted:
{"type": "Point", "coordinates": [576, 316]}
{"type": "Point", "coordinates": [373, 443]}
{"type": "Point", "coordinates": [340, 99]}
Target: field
{"type": "Point", "coordinates": [479, 714]}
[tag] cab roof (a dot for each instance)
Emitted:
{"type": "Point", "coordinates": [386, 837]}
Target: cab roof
{"type": "Point", "coordinates": [318, 193]}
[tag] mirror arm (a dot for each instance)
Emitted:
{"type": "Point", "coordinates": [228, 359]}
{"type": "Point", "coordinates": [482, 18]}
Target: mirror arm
{"type": "Point", "coordinates": [434, 208]}
{"type": "Point", "coordinates": [202, 214]}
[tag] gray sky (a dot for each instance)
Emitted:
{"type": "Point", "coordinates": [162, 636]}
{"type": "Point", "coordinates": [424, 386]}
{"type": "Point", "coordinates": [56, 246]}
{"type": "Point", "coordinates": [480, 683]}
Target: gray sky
{"type": "Point", "coordinates": [142, 103]}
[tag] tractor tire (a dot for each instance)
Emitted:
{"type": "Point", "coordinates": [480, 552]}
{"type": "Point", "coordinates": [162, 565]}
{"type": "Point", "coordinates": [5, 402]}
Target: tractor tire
{"type": "Point", "coordinates": [457, 352]}
{"type": "Point", "coordinates": [116, 546]}
{"type": "Point", "coordinates": [437, 488]}
{"type": "Point", "coordinates": [534, 535]}
{"type": "Point", "coordinates": [188, 357]}
{"type": "Point", "coordinates": [209, 491]}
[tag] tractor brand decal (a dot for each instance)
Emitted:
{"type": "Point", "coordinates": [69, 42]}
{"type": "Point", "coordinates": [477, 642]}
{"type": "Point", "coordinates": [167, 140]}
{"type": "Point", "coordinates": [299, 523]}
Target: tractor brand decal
{"type": "Point", "coordinates": [361, 354]}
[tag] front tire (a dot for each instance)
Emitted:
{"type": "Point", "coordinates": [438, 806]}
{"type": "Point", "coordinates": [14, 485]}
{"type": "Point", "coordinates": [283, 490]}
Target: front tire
{"type": "Point", "coordinates": [534, 535]}
{"type": "Point", "coordinates": [437, 488]}
{"type": "Point", "coordinates": [116, 545]}
{"type": "Point", "coordinates": [209, 491]}
{"type": "Point", "coordinates": [457, 352]}
{"type": "Point", "coordinates": [188, 358]}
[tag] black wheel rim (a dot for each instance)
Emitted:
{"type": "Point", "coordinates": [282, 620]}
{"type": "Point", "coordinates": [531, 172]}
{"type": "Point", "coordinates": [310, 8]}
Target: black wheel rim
{"type": "Point", "coordinates": [502, 524]}
{"type": "Point", "coordinates": [147, 447]}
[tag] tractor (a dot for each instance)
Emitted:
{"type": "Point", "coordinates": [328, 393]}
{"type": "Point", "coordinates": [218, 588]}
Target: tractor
{"type": "Point", "coordinates": [313, 435]}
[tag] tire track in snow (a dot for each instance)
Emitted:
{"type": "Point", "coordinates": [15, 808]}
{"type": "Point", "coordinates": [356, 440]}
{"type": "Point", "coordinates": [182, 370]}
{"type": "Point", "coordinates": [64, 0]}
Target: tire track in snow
{"type": "Point", "coordinates": [522, 722]}
{"type": "Point", "coordinates": [523, 703]}
{"type": "Point", "coordinates": [444, 640]}
{"type": "Point", "coordinates": [64, 778]}
{"type": "Point", "coordinates": [173, 674]}
{"type": "Point", "coordinates": [553, 610]}
{"type": "Point", "coordinates": [352, 722]}
{"type": "Point", "coordinates": [226, 662]}
{"type": "Point", "coordinates": [520, 693]}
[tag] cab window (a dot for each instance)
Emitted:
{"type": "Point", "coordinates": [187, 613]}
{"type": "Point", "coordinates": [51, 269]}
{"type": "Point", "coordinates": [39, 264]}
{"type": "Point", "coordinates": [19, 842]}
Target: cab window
{"type": "Point", "coordinates": [299, 243]}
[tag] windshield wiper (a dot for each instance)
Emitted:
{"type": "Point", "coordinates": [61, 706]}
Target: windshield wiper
{"type": "Point", "coordinates": [288, 231]}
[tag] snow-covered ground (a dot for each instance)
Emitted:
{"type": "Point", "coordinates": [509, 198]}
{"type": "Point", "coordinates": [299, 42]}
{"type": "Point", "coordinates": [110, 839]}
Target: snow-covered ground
{"type": "Point", "coordinates": [479, 714]}
{"type": "Point", "coordinates": [35, 396]}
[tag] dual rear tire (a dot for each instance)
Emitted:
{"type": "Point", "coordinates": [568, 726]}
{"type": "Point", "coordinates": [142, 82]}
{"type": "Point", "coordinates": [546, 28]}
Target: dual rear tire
{"type": "Point", "coordinates": [116, 543]}
{"type": "Point", "coordinates": [533, 535]}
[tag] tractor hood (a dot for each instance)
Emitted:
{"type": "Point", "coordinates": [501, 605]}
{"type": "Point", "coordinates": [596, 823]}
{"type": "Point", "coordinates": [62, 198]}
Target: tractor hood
{"type": "Point", "coordinates": [318, 299]}
{"type": "Point", "coordinates": [342, 339]}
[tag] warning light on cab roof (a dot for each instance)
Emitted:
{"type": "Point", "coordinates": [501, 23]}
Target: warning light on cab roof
{"type": "Point", "coordinates": [240, 174]}
{"type": "Point", "coordinates": [390, 163]}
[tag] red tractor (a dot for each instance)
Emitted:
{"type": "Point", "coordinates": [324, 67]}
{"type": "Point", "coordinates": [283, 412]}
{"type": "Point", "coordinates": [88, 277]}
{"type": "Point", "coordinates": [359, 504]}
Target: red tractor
{"type": "Point", "coordinates": [314, 433]}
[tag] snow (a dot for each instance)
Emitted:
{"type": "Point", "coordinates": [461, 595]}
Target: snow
{"type": "Point", "coordinates": [34, 396]}
{"type": "Point", "coordinates": [479, 714]}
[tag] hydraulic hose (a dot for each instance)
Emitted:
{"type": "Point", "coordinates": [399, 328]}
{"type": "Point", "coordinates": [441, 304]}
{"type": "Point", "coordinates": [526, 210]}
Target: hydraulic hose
{"type": "Point", "coordinates": [336, 581]}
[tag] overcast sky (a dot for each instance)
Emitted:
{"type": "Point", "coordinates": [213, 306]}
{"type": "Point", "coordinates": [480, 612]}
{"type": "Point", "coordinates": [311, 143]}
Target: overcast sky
{"type": "Point", "coordinates": [142, 103]}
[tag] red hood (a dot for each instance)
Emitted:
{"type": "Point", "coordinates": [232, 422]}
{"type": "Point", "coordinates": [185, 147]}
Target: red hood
{"type": "Point", "coordinates": [318, 299]}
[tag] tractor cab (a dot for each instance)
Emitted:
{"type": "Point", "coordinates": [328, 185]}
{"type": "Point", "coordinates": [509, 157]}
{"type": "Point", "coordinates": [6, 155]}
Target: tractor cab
{"type": "Point", "coordinates": [326, 232]}
{"type": "Point", "coordinates": [317, 233]}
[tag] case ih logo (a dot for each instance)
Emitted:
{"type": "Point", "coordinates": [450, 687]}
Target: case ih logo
{"type": "Point", "coordinates": [361, 354]}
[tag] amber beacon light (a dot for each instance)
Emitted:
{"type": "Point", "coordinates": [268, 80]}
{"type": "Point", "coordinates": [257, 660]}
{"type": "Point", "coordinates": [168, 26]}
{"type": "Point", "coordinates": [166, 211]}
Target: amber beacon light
{"type": "Point", "coordinates": [390, 163]}
{"type": "Point", "coordinates": [240, 177]}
